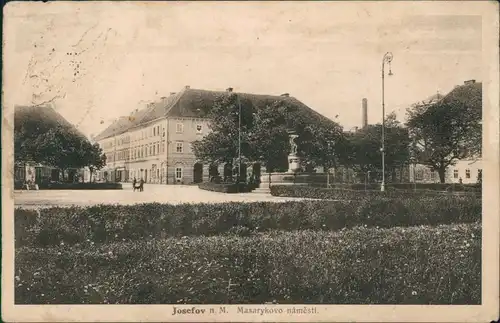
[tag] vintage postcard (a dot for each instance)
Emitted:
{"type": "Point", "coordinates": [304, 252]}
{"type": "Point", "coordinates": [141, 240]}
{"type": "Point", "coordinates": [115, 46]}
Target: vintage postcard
{"type": "Point", "coordinates": [203, 161]}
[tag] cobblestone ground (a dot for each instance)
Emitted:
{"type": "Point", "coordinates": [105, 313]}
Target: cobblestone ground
{"type": "Point", "coordinates": [172, 194]}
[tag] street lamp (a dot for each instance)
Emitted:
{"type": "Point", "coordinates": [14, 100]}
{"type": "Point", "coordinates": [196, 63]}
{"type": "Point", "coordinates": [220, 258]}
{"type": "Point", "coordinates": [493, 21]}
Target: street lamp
{"type": "Point", "coordinates": [386, 59]}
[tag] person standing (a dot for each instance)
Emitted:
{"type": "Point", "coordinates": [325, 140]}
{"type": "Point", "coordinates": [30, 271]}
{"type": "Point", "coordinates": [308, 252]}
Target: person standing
{"type": "Point", "coordinates": [142, 185]}
{"type": "Point", "coordinates": [134, 182]}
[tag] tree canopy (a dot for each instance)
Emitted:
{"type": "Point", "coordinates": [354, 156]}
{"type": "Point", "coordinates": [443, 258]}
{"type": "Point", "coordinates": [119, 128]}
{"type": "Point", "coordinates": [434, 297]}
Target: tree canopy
{"type": "Point", "coordinates": [52, 144]}
{"type": "Point", "coordinates": [448, 130]}
{"type": "Point", "coordinates": [361, 150]}
{"type": "Point", "coordinates": [265, 133]}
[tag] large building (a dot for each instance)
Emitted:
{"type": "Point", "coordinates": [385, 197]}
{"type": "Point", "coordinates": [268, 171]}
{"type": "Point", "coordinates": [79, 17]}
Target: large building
{"type": "Point", "coordinates": [154, 143]}
{"type": "Point", "coordinates": [469, 170]}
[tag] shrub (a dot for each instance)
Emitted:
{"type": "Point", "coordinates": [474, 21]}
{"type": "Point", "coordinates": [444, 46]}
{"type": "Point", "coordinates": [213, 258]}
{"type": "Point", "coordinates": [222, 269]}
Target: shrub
{"type": "Point", "coordinates": [106, 223]}
{"type": "Point", "coordinates": [418, 265]}
{"type": "Point", "coordinates": [357, 194]}
{"type": "Point", "coordinates": [82, 186]}
{"type": "Point", "coordinates": [439, 187]}
{"type": "Point", "coordinates": [226, 187]}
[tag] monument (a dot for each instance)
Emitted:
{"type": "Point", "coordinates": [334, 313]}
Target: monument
{"type": "Point", "coordinates": [293, 159]}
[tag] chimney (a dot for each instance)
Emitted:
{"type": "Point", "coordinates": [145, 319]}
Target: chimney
{"type": "Point", "coordinates": [229, 89]}
{"type": "Point", "coordinates": [163, 97]}
{"type": "Point", "coordinates": [286, 94]}
{"type": "Point", "coordinates": [364, 112]}
{"type": "Point", "coordinates": [469, 82]}
{"type": "Point", "coordinates": [172, 93]}
{"type": "Point", "coordinates": [187, 87]}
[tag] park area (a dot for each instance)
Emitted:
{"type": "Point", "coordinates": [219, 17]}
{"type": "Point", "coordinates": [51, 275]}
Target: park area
{"type": "Point", "coordinates": [371, 250]}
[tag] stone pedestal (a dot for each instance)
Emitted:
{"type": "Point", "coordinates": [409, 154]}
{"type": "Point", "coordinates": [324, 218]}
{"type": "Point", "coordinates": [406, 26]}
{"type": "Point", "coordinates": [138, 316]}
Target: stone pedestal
{"type": "Point", "coordinates": [293, 164]}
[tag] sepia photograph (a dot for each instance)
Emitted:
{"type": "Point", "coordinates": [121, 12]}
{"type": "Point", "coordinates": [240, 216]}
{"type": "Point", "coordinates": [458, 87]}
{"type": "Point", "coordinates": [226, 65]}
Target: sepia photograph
{"type": "Point", "coordinates": [250, 161]}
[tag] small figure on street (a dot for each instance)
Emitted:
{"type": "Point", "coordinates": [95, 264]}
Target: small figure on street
{"type": "Point", "coordinates": [460, 180]}
{"type": "Point", "coordinates": [142, 185]}
{"type": "Point", "coordinates": [134, 183]}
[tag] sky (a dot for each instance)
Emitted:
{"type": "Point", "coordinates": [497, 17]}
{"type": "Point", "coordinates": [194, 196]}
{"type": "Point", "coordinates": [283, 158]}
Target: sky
{"type": "Point", "coordinates": [98, 61]}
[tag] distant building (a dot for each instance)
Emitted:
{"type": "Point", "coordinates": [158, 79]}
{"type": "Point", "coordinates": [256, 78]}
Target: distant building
{"type": "Point", "coordinates": [43, 117]}
{"type": "Point", "coordinates": [467, 170]}
{"type": "Point", "coordinates": [154, 143]}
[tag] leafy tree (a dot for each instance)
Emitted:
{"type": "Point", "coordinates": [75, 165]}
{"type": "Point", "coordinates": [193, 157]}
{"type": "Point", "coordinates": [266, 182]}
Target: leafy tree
{"type": "Point", "coordinates": [448, 130]}
{"type": "Point", "coordinates": [94, 157]}
{"type": "Point", "coordinates": [265, 134]}
{"type": "Point", "coordinates": [269, 139]}
{"type": "Point", "coordinates": [222, 143]}
{"type": "Point", "coordinates": [361, 150]}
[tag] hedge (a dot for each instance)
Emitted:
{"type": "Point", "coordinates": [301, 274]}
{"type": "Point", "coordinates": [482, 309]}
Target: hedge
{"type": "Point", "coordinates": [106, 223]}
{"type": "Point", "coordinates": [226, 187]}
{"type": "Point", "coordinates": [316, 181]}
{"type": "Point", "coordinates": [358, 194]}
{"type": "Point", "coordinates": [82, 186]}
{"type": "Point", "coordinates": [417, 265]}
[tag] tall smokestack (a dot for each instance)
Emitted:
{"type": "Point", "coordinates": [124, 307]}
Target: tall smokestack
{"type": "Point", "coordinates": [364, 121]}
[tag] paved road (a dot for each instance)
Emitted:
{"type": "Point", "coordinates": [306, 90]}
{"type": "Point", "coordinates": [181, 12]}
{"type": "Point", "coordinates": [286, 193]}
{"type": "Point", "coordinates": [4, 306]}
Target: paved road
{"type": "Point", "coordinates": [172, 194]}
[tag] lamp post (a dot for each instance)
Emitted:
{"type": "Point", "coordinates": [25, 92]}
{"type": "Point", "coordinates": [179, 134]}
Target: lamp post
{"type": "Point", "coordinates": [386, 59]}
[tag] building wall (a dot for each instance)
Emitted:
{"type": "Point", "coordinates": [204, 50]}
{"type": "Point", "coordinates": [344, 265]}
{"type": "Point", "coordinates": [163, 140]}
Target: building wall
{"type": "Point", "coordinates": [182, 132]}
{"type": "Point", "coordinates": [467, 170]}
{"type": "Point", "coordinates": [159, 152]}
{"type": "Point", "coordinates": [148, 152]}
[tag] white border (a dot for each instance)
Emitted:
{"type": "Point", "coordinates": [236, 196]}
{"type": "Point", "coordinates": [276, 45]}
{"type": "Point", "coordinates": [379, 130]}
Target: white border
{"type": "Point", "coordinates": [360, 313]}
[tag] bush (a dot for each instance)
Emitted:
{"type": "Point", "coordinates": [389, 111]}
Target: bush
{"type": "Point", "coordinates": [442, 187]}
{"type": "Point", "coordinates": [357, 194]}
{"type": "Point", "coordinates": [226, 187]}
{"type": "Point", "coordinates": [418, 265]}
{"type": "Point", "coordinates": [83, 186]}
{"type": "Point", "coordinates": [107, 223]}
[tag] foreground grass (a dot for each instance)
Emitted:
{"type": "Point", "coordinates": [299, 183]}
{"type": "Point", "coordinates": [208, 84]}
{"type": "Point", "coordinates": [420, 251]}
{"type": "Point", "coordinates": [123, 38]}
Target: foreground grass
{"type": "Point", "coordinates": [414, 265]}
{"type": "Point", "coordinates": [108, 223]}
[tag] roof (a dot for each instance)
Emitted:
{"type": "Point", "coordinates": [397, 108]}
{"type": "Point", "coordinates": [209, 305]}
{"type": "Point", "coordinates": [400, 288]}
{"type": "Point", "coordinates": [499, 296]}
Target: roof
{"type": "Point", "coordinates": [190, 103]}
{"type": "Point", "coordinates": [45, 117]}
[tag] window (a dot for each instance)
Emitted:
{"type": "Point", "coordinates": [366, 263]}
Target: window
{"type": "Point", "coordinates": [154, 150]}
{"type": "Point", "coordinates": [455, 173]}
{"type": "Point", "coordinates": [157, 130]}
{"type": "Point", "coordinates": [179, 128]}
{"type": "Point", "coordinates": [163, 146]}
{"type": "Point", "coordinates": [150, 150]}
{"type": "Point", "coordinates": [199, 128]}
{"type": "Point", "coordinates": [154, 131]}
{"type": "Point", "coordinates": [467, 173]}
{"type": "Point", "coordinates": [178, 147]}
{"type": "Point", "coordinates": [178, 173]}
{"type": "Point", "coordinates": [419, 174]}
{"type": "Point", "coordinates": [158, 148]}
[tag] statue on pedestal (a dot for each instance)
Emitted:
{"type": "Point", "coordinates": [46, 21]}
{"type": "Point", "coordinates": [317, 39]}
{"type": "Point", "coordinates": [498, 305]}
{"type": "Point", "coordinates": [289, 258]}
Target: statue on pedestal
{"type": "Point", "coordinates": [293, 160]}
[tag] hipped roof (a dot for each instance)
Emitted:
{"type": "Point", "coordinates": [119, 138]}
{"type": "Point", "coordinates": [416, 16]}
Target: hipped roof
{"type": "Point", "coordinates": [190, 103]}
{"type": "Point", "coordinates": [45, 116]}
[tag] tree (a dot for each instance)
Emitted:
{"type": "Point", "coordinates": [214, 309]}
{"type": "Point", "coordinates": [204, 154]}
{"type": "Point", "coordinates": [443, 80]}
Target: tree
{"type": "Point", "coordinates": [94, 157]}
{"type": "Point", "coordinates": [361, 150]}
{"type": "Point", "coordinates": [221, 145]}
{"type": "Point", "coordinates": [265, 133]}
{"type": "Point", "coordinates": [269, 139]}
{"type": "Point", "coordinates": [448, 130]}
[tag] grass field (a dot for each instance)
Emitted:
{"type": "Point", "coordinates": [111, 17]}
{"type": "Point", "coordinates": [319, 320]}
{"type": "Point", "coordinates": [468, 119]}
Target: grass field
{"type": "Point", "coordinates": [290, 261]}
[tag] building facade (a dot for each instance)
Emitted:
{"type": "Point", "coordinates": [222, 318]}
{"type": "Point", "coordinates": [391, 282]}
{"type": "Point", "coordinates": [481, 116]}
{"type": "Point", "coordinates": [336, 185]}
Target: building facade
{"type": "Point", "coordinates": [154, 143]}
